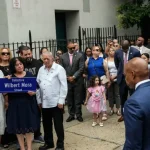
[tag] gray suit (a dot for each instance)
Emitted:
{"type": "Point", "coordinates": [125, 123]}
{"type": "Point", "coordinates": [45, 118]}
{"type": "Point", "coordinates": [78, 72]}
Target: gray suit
{"type": "Point", "coordinates": [144, 49]}
{"type": "Point", "coordinates": [74, 89]}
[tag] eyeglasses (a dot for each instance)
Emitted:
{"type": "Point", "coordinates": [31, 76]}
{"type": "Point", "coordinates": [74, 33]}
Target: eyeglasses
{"type": "Point", "coordinates": [88, 51]}
{"type": "Point", "coordinates": [3, 53]}
{"type": "Point", "coordinates": [71, 48]}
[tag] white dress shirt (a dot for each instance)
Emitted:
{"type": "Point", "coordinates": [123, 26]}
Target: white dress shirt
{"type": "Point", "coordinates": [53, 86]}
{"type": "Point", "coordinates": [139, 83]}
{"type": "Point", "coordinates": [141, 49]}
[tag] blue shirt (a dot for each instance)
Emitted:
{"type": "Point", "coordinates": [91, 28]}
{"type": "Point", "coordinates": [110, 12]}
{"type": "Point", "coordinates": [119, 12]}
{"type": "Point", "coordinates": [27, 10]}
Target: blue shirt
{"type": "Point", "coordinates": [95, 67]}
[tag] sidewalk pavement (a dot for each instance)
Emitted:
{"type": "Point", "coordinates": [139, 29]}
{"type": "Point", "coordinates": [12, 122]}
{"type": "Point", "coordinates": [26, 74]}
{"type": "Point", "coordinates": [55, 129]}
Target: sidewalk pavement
{"type": "Point", "coordinates": [82, 136]}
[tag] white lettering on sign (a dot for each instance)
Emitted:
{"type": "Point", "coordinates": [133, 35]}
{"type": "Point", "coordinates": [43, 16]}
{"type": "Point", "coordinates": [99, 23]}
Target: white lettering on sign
{"type": "Point", "coordinates": [17, 85]}
{"type": "Point", "coordinates": [26, 85]}
{"type": "Point", "coordinates": [16, 4]}
{"type": "Point", "coordinates": [12, 85]}
{"type": "Point", "coordinates": [17, 80]}
{"type": "Point", "coordinates": [17, 90]}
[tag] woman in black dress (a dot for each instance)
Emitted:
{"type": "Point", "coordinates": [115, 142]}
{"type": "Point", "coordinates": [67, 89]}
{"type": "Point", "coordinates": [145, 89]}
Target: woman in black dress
{"type": "Point", "coordinates": [22, 118]}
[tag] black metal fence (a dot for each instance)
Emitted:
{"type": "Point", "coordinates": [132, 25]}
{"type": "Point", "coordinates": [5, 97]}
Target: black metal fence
{"type": "Point", "coordinates": [91, 36]}
{"type": "Point", "coordinates": [54, 45]}
{"type": "Point", "coordinates": [87, 37]}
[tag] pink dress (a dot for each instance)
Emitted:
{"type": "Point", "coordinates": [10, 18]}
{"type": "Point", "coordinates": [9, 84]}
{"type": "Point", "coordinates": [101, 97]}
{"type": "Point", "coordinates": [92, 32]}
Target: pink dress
{"type": "Point", "coordinates": [95, 102]}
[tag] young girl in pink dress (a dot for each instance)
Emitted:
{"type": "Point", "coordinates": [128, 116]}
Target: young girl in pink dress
{"type": "Point", "coordinates": [95, 100]}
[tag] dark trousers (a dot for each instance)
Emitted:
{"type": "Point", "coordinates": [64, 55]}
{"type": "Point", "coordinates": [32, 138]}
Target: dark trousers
{"type": "Point", "coordinates": [113, 95]}
{"type": "Point", "coordinates": [124, 92]}
{"type": "Point", "coordinates": [74, 99]}
{"type": "Point", "coordinates": [56, 115]}
{"type": "Point", "coordinates": [37, 133]}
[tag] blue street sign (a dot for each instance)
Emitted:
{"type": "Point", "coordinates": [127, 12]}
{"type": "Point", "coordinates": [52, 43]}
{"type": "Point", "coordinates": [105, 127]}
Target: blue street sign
{"type": "Point", "coordinates": [17, 85]}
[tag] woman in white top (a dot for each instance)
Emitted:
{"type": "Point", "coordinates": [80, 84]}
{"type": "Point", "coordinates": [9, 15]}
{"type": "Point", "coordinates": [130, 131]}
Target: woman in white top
{"type": "Point", "coordinates": [2, 111]}
{"type": "Point", "coordinates": [113, 90]}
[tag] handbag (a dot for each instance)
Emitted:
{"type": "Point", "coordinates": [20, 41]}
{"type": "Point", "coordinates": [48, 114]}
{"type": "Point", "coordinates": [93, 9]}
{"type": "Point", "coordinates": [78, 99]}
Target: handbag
{"type": "Point", "coordinates": [103, 78]}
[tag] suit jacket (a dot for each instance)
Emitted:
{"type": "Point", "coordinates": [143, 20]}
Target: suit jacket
{"type": "Point", "coordinates": [77, 67]}
{"type": "Point", "coordinates": [137, 119]}
{"type": "Point", "coordinates": [144, 49]}
{"type": "Point", "coordinates": [119, 61]}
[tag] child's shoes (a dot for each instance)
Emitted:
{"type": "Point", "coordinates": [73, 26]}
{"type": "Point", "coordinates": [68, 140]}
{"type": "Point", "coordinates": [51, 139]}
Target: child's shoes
{"type": "Point", "coordinates": [94, 124]}
{"type": "Point", "coordinates": [101, 124]}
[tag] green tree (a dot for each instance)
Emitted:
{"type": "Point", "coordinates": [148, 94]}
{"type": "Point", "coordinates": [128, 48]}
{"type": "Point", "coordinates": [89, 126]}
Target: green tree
{"type": "Point", "coordinates": [132, 12]}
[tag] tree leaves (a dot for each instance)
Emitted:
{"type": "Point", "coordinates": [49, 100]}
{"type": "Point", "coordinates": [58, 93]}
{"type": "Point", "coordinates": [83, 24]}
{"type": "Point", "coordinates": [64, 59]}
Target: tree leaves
{"type": "Point", "coordinates": [132, 12]}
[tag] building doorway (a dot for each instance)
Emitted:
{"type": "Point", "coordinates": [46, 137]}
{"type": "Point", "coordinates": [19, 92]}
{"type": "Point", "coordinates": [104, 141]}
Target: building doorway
{"type": "Point", "coordinates": [67, 24]}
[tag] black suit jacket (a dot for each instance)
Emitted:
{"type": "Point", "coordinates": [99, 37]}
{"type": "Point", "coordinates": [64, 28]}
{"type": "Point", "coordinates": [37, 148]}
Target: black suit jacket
{"type": "Point", "coordinates": [77, 67]}
{"type": "Point", "coordinates": [119, 61]}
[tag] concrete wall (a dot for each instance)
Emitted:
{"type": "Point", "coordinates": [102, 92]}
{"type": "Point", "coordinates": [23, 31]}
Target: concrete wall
{"type": "Point", "coordinates": [39, 17]}
{"type": "Point", "coordinates": [3, 23]}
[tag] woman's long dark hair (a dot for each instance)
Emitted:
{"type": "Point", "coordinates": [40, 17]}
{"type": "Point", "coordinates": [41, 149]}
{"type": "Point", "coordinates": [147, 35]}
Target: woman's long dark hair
{"type": "Point", "coordinates": [92, 81]}
{"type": "Point", "coordinates": [13, 63]}
{"type": "Point", "coordinates": [85, 56]}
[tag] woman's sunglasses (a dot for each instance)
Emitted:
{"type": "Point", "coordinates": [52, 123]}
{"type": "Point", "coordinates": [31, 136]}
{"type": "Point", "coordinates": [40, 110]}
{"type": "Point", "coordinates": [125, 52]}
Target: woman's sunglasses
{"type": "Point", "coordinates": [3, 53]}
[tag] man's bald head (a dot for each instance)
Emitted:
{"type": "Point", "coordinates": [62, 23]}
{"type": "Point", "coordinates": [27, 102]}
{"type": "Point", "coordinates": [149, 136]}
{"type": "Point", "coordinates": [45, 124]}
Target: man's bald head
{"type": "Point", "coordinates": [136, 70]}
{"type": "Point", "coordinates": [125, 45]}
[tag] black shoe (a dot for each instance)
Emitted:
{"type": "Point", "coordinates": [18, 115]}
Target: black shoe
{"type": "Point", "coordinates": [45, 147]}
{"type": "Point", "coordinates": [70, 118]}
{"type": "Point", "coordinates": [59, 148]}
{"type": "Point", "coordinates": [80, 119]}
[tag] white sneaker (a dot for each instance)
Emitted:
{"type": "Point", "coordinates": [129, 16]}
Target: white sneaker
{"type": "Point", "coordinates": [94, 124]}
{"type": "Point", "coordinates": [101, 124]}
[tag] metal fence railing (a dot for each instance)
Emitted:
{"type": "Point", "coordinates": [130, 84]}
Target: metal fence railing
{"type": "Point", "coordinates": [54, 45]}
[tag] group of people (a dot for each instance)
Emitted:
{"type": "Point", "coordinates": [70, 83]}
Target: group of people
{"type": "Point", "coordinates": [74, 77]}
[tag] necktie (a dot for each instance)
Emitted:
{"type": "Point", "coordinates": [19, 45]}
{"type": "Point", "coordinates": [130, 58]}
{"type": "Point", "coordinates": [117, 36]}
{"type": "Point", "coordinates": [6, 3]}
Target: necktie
{"type": "Point", "coordinates": [125, 58]}
{"type": "Point", "coordinates": [70, 57]}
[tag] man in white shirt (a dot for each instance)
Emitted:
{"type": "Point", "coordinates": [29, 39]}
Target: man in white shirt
{"type": "Point", "coordinates": [52, 81]}
{"type": "Point", "coordinates": [140, 46]}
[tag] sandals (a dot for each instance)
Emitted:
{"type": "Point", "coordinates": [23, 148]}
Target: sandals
{"type": "Point", "coordinates": [104, 118]}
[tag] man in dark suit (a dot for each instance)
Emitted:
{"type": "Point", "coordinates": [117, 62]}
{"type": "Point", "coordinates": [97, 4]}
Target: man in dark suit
{"type": "Point", "coordinates": [73, 63]}
{"type": "Point", "coordinates": [137, 107]}
{"type": "Point", "coordinates": [122, 56]}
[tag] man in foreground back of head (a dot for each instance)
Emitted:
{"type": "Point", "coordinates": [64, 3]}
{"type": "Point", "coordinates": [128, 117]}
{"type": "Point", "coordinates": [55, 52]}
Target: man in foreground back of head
{"type": "Point", "coordinates": [137, 107]}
